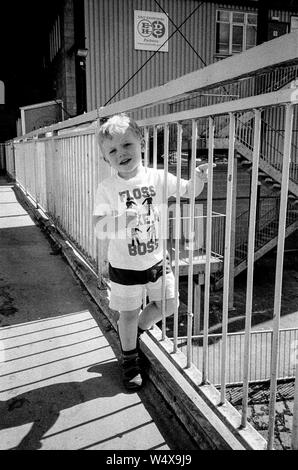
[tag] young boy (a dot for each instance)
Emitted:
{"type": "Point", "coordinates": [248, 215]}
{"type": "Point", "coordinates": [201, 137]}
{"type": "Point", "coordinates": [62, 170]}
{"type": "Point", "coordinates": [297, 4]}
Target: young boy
{"type": "Point", "coordinates": [127, 211]}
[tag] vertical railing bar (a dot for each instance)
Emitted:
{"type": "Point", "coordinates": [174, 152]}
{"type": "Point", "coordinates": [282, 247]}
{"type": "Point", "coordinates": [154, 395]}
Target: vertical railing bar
{"type": "Point", "coordinates": [228, 228]}
{"type": "Point", "coordinates": [59, 169]}
{"type": "Point", "coordinates": [234, 356]}
{"type": "Point", "coordinates": [146, 161]}
{"type": "Point", "coordinates": [294, 441]}
{"type": "Point", "coordinates": [262, 359]}
{"type": "Point", "coordinates": [80, 191]}
{"type": "Point", "coordinates": [75, 189]}
{"type": "Point", "coordinates": [191, 242]}
{"type": "Point", "coordinates": [61, 176]}
{"type": "Point", "coordinates": [92, 234]}
{"type": "Point", "coordinates": [37, 173]}
{"type": "Point", "coordinates": [59, 173]}
{"type": "Point", "coordinates": [146, 138]}
{"type": "Point", "coordinates": [67, 183]}
{"type": "Point", "coordinates": [219, 359]}
{"type": "Point", "coordinates": [85, 178]}
{"type": "Point", "coordinates": [255, 355]}
{"type": "Point", "coordinates": [250, 261]}
{"type": "Point", "coordinates": [155, 147]}
{"type": "Point", "coordinates": [97, 157]}
{"type": "Point", "coordinates": [264, 375]}
{"type": "Point", "coordinates": [165, 226]}
{"type": "Point", "coordinates": [82, 138]}
{"type": "Point", "coordinates": [91, 231]}
{"type": "Point", "coordinates": [283, 335]}
{"type": "Point", "coordinates": [279, 268]}
{"type": "Point", "coordinates": [177, 235]}
{"type": "Point", "coordinates": [208, 247]}
{"type": "Point", "coordinates": [87, 188]}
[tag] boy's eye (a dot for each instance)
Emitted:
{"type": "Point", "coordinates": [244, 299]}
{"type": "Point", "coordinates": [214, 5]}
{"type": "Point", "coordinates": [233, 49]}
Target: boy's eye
{"type": "Point", "coordinates": [127, 144]}
{"type": "Point", "coordinates": [112, 151]}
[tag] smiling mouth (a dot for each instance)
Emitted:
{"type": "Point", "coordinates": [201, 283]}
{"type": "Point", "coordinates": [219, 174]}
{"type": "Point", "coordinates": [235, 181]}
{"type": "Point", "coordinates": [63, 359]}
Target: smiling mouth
{"type": "Point", "coordinates": [124, 162]}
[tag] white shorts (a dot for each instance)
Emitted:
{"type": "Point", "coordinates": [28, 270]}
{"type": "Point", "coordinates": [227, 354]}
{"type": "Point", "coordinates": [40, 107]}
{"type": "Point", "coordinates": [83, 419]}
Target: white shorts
{"type": "Point", "coordinates": [123, 297]}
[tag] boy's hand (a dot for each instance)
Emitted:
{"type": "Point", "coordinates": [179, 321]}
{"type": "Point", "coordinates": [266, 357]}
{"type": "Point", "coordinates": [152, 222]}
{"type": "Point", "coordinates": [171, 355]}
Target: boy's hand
{"type": "Point", "coordinates": [202, 171]}
{"type": "Point", "coordinates": [131, 216]}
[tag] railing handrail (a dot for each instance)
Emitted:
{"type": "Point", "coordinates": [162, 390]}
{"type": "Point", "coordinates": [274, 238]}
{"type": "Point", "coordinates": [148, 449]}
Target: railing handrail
{"type": "Point", "coordinates": [260, 101]}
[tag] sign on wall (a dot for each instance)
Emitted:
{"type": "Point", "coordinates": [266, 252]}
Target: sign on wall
{"type": "Point", "coordinates": [151, 31]}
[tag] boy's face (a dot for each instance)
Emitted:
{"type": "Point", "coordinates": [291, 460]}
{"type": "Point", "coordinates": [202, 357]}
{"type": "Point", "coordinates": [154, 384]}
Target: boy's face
{"type": "Point", "coordinates": [123, 152]}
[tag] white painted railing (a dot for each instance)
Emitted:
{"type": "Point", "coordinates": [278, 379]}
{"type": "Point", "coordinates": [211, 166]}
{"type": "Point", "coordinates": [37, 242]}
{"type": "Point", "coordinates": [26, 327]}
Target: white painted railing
{"type": "Point", "coordinates": [2, 157]}
{"type": "Point", "coordinates": [59, 168]}
{"type": "Point", "coordinates": [61, 174]}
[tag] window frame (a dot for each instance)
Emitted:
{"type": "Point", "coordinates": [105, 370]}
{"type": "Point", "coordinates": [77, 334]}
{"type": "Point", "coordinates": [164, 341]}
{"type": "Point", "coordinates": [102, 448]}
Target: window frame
{"type": "Point", "coordinates": [245, 24]}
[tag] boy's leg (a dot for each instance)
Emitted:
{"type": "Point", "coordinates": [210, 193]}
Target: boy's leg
{"type": "Point", "coordinates": [152, 313]}
{"type": "Point", "coordinates": [127, 329]}
{"type": "Point", "coordinates": [127, 300]}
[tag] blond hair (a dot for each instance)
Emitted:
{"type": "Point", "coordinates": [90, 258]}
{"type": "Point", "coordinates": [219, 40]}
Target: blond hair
{"type": "Point", "coordinates": [118, 124]}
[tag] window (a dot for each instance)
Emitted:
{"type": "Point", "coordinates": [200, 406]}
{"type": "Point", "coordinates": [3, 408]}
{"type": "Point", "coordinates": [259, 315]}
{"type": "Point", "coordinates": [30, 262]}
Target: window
{"type": "Point", "coordinates": [235, 31]}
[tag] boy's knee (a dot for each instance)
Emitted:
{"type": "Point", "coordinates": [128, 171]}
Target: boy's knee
{"type": "Point", "coordinates": [170, 306]}
{"type": "Point", "coordinates": [129, 314]}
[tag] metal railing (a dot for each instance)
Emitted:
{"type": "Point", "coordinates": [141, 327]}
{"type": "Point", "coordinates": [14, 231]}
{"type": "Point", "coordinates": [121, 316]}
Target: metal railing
{"type": "Point", "coordinates": [260, 355]}
{"type": "Point", "coordinates": [60, 167]}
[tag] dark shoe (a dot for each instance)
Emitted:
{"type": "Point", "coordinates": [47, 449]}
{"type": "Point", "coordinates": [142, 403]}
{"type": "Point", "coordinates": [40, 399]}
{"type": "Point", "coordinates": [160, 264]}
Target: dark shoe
{"type": "Point", "coordinates": [131, 372]}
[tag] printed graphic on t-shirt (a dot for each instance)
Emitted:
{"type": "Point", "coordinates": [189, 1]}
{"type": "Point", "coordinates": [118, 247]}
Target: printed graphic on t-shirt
{"type": "Point", "coordinates": [143, 236]}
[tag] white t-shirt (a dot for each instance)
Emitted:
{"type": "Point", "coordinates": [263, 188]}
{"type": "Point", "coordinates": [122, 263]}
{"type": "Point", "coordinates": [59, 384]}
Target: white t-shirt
{"type": "Point", "coordinates": [139, 246]}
